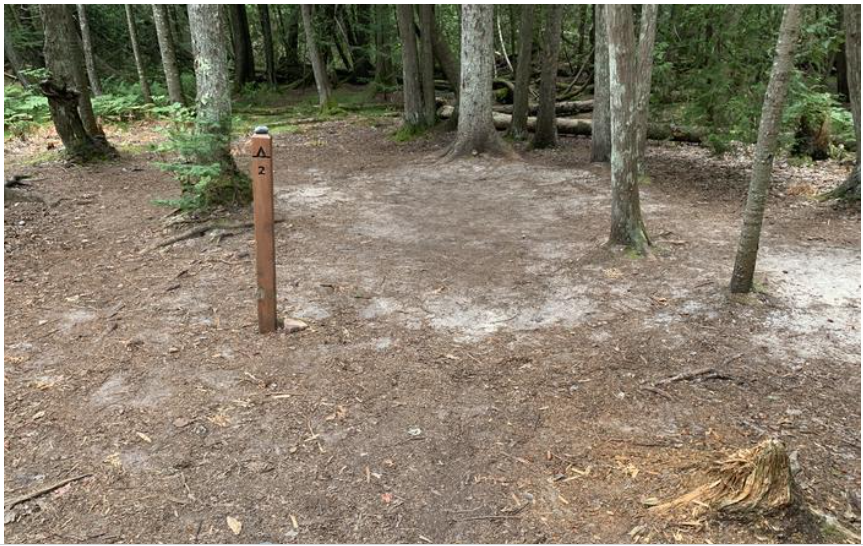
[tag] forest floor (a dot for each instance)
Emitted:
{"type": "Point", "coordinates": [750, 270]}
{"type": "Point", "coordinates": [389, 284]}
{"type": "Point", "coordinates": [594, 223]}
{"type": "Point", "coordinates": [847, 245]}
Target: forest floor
{"type": "Point", "coordinates": [476, 362]}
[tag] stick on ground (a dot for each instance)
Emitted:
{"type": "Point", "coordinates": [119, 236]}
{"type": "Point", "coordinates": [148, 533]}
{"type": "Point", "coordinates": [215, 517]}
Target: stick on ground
{"type": "Point", "coordinates": [11, 503]}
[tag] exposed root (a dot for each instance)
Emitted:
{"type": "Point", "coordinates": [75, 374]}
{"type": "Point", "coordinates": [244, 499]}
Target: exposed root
{"type": "Point", "coordinates": [756, 481]}
{"type": "Point", "coordinates": [198, 231]}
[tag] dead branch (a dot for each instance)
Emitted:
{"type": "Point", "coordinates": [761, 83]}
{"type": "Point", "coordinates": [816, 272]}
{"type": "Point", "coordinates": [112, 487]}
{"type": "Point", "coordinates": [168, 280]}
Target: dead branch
{"type": "Point", "coordinates": [11, 503]}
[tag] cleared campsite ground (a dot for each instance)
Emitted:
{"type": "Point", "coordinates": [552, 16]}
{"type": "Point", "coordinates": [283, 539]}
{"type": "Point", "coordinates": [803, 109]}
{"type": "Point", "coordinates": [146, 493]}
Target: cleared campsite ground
{"type": "Point", "coordinates": [478, 367]}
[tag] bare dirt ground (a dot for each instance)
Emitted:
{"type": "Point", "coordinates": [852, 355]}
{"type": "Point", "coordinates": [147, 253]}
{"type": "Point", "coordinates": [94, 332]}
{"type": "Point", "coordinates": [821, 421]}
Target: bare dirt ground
{"type": "Point", "coordinates": [476, 365]}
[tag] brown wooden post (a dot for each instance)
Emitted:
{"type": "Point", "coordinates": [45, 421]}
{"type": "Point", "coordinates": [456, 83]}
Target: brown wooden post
{"type": "Point", "coordinates": [265, 243]}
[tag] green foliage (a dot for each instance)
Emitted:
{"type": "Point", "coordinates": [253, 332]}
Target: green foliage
{"type": "Point", "coordinates": [712, 64]}
{"type": "Point", "coordinates": [203, 167]}
{"type": "Point", "coordinates": [23, 110]}
{"type": "Point", "coordinates": [26, 109]}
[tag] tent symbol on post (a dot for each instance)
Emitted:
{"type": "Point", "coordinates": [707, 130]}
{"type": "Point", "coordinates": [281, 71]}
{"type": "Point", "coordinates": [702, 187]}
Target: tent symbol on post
{"type": "Point", "coordinates": [260, 152]}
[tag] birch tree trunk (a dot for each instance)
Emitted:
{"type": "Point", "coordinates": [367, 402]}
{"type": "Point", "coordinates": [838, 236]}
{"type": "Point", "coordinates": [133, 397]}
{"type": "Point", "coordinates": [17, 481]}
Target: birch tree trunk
{"type": "Point", "coordinates": [600, 141]}
{"type": "Point", "coordinates": [92, 75]}
{"type": "Point", "coordinates": [476, 133]}
{"type": "Point", "coordinates": [67, 88]}
{"type": "Point", "coordinates": [546, 129]}
{"type": "Point", "coordinates": [627, 227]}
{"type": "Point", "coordinates": [646, 41]}
{"type": "Point", "coordinates": [426, 17]}
{"type": "Point", "coordinates": [139, 64]}
{"type": "Point", "coordinates": [168, 53]}
{"type": "Point", "coordinates": [267, 33]}
{"type": "Point", "coordinates": [213, 101]}
{"type": "Point", "coordinates": [414, 118]}
{"type": "Point", "coordinates": [322, 81]}
{"type": "Point", "coordinates": [523, 69]}
{"type": "Point", "coordinates": [765, 149]}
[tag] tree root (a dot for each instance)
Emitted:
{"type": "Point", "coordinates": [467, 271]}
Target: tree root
{"type": "Point", "coordinates": [198, 231]}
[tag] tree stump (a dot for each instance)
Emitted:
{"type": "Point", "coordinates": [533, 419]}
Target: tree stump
{"type": "Point", "coordinates": [752, 481]}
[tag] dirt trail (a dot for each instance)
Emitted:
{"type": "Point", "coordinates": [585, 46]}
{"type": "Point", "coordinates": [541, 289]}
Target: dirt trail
{"type": "Point", "coordinates": [475, 365]}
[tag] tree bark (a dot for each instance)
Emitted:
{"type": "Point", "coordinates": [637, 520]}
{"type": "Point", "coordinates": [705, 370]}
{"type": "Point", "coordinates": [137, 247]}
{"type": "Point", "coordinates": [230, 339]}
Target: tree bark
{"type": "Point", "coordinates": [523, 70]}
{"type": "Point", "coordinates": [414, 117]}
{"type": "Point", "coordinates": [289, 34]}
{"type": "Point", "coordinates": [851, 21]}
{"type": "Point", "coordinates": [244, 57]}
{"type": "Point", "coordinates": [322, 80]}
{"type": "Point", "coordinates": [67, 88]}
{"type": "Point", "coordinates": [627, 227]}
{"type": "Point", "coordinates": [546, 130]}
{"type": "Point", "coordinates": [646, 41]}
{"type": "Point", "coordinates": [213, 100]}
{"type": "Point", "coordinates": [765, 149]}
{"type": "Point", "coordinates": [136, 53]}
{"type": "Point", "coordinates": [426, 19]}
{"type": "Point", "coordinates": [600, 141]}
{"type": "Point", "coordinates": [449, 64]}
{"type": "Point", "coordinates": [168, 53]}
{"type": "Point", "coordinates": [95, 84]}
{"type": "Point", "coordinates": [267, 32]}
{"type": "Point", "coordinates": [476, 133]}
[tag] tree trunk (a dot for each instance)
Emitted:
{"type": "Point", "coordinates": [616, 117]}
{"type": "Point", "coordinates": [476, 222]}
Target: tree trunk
{"type": "Point", "coordinates": [11, 54]}
{"type": "Point", "coordinates": [289, 35]}
{"type": "Point", "coordinates": [546, 130]}
{"type": "Point", "coordinates": [361, 43]}
{"type": "Point", "coordinates": [244, 57]}
{"type": "Point", "coordinates": [322, 81]}
{"type": "Point", "coordinates": [523, 70]}
{"type": "Point", "coordinates": [169, 54]}
{"type": "Point", "coordinates": [427, 23]}
{"type": "Point", "coordinates": [765, 148]}
{"type": "Point", "coordinates": [95, 84]}
{"type": "Point", "coordinates": [447, 61]}
{"type": "Point", "coordinates": [139, 64]}
{"type": "Point", "coordinates": [67, 88]}
{"type": "Point", "coordinates": [384, 74]}
{"type": "Point", "coordinates": [476, 133]}
{"type": "Point", "coordinates": [627, 227]}
{"type": "Point", "coordinates": [414, 117]}
{"type": "Point", "coordinates": [213, 100]}
{"type": "Point", "coordinates": [267, 32]}
{"type": "Point", "coordinates": [600, 141]}
{"type": "Point", "coordinates": [851, 21]}
{"type": "Point", "coordinates": [646, 40]}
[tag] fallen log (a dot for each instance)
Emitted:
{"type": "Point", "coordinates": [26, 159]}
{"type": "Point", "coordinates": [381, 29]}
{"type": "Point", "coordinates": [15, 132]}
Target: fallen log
{"type": "Point", "coordinates": [560, 108]}
{"type": "Point", "coordinates": [583, 127]}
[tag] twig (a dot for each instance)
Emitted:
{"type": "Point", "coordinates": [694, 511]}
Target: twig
{"type": "Point", "coordinates": [703, 373]}
{"type": "Point", "coordinates": [473, 518]}
{"type": "Point", "coordinates": [11, 503]}
{"type": "Point", "coordinates": [660, 392]}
